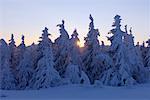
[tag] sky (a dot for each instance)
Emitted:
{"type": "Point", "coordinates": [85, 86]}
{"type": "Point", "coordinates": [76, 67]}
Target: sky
{"type": "Point", "coordinates": [29, 17]}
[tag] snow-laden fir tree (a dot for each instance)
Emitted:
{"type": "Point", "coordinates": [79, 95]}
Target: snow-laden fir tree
{"type": "Point", "coordinates": [25, 67]}
{"type": "Point", "coordinates": [12, 48]}
{"type": "Point", "coordinates": [61, 50]}
{"type": "Point", "coordinates": [45, 74]}
{"type": "Point", "coordinates": [73, 70]}
{"type": "Point", "coordinates": [134, 58]}
{"type": "Point", "coordinates": [32, 53]}
{"type": "Point", "coordinates": [75, 50]}
{"type": "Point", "coordinates": [7, 79]}
{"type": "Point", "coordinates": [14, 59]}
{"type": "Point", "coordinates": [121, 73]}
{"type": "Point", "coordinates": [14, 54]}
{"type": "Point", "coordinates": [92, 49]}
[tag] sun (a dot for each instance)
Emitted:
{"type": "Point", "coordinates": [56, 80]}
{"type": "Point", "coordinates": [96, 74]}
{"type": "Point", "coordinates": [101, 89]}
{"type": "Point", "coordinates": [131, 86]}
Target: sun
{"type": "Point", "coordinates": [80, 44]}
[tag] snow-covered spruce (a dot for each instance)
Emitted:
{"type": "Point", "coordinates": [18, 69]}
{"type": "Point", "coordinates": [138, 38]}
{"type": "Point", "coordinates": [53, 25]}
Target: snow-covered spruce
{"type": "Point", "coordinates": [74, 71]}
{"type": "Point", "coordinates": [25, 67]}
{"type": "Point", "coordinates": [7, 79]}
{"type": "Point", "coordinates": [74, 50]}
{"type": "Point", "coordinates": [121, 73]}
{"type": "Point", "coordinates": [45, 74]}
{"type": "Point", "coordinates": [61, 48]}
{"type": "Point", "coordinates": [13, 54]}
{"type": "Point", "coordinates": [93, 63]}
{"type": "Point", "coordinates": [134, 58]}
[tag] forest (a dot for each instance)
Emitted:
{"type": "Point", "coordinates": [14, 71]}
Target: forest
{"type": "Point", "coordinates": [63, 62]}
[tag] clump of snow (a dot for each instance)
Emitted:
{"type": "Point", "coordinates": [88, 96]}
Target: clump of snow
{"type": "Point", "coordinates": [72, 73]}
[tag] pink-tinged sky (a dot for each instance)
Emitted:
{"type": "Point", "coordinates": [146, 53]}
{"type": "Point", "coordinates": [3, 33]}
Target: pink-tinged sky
{"type": "Point", "coordinates": [29, 17]}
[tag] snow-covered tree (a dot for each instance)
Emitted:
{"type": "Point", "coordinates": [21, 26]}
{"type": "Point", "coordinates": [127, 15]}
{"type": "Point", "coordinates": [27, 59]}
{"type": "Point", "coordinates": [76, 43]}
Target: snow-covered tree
{"type": "Point", "coordinates": [19, 69]}
{"type": "Point", "coordinates": [45, 74]}
{"type": "Point", "coordinates": [12, 48]}
{"type": "Point", "coordinates": [25, 67]}
{"type": "Point", "coordinates": [14, 59]}
{"type": "Point", "coordinates": [7, 79]}
{"type": "Point", "coordinates": [134, 58]}
{"type": "Point", "coordinates": [62, 50]}
{"type": "Point", "coordinates": [34, 53]}
{"type": "Point", "coordinates": [92, 49]}
{"type": "Point", "coordinates": [73, 70]}
{"type": "Point", "coordinates": [74, 73]}
{"type": "Point", "coordinates": [121, 73]}
{"type": "Point", "coordinates": [14, 54]}
{"type": "Point", "coordinates": [75, 50]}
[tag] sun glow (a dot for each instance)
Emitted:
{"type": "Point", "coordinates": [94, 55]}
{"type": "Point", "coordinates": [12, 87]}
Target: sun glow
{"type": "Point", "coordinates": [80, 44]}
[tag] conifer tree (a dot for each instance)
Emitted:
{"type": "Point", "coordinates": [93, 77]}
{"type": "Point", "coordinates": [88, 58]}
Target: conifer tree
{"type": "Point", "coordinates": [134, 58]}
{"type": "Point", "coordinates": [62, 50]}
{"type": "Point", "coordinates": [14, 55]}
{"type": "Point", "coordinates": [92, 49]}
{"type": "Point", "coordinates": [7, 79]}
{"type": "Point", "coordinates": [45, 74]}
{"type": "Point", "coordinates": [121, 73]}
{"type": "Point", "coordinates": [25, 67]}
{"type": "Point", "coordinates": [12, 48]}
{"type": "Point", "coordinates": [75, 50]}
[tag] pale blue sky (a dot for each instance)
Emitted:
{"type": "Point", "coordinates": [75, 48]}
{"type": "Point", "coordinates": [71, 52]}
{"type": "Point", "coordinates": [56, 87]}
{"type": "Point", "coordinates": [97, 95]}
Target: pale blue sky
{"type": "Point", "coordinates": [29, 17]}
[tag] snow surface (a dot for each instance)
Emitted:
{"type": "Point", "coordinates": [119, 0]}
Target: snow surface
{"type": "Point", "coordinates": [78, 92]}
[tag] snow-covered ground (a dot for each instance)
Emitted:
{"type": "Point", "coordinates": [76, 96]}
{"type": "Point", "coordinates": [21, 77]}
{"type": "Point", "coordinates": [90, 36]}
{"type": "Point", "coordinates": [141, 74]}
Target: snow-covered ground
{"type": "Point", "coordinates": [74, 92]}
